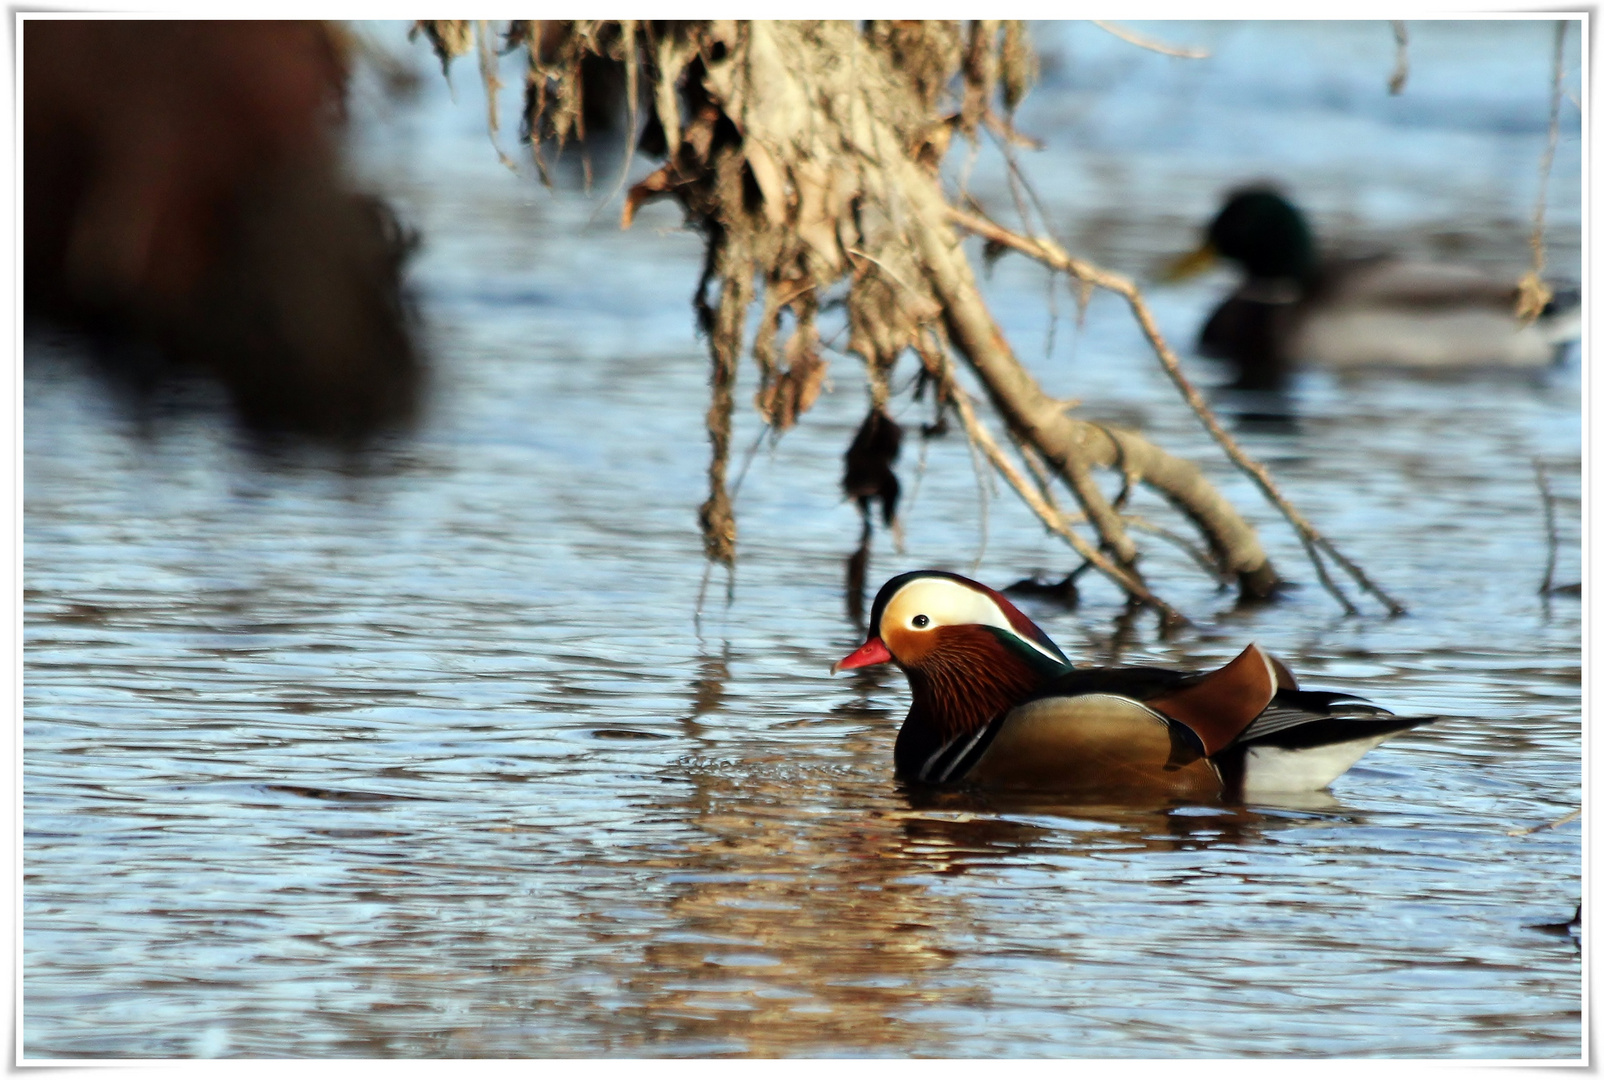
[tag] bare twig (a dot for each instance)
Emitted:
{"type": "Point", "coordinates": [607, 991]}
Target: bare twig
{"type": "Point", "coordinates": [1400, 63]}
{"type": "Point", "coordinates": [1551, 525]}
{"type": "Point", "coordinates": [983, 491]}
{"type": "Point", "coordinates": [1038, 469]}
{"type": "Point", "coordinates": [1195, 553]}
{"type": "Point", "coordinates": [1556, 823]}
{"type": "Point", "coordinates": [1143, 42]}
{"type": "Point", "coordinates": [1533, 292]}
{"type": "Point", "coordinates": [1047, 251]}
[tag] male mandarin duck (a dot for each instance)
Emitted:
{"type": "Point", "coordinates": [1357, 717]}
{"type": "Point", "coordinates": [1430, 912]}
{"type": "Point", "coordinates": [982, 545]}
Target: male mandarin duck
{"type": "Point", "coordinates": [1348, 313]}
{"type": "Point", "coordinates": [997, 704]}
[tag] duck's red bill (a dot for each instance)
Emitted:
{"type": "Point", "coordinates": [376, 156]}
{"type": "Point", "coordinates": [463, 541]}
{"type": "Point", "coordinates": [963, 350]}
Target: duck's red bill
{"type": "Point", "coordinates": [871, 652]}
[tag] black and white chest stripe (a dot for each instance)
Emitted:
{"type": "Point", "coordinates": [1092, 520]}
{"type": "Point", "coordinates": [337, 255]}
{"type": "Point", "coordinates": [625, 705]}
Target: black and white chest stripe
{"type": "Point", "coordinates": [955, 757]}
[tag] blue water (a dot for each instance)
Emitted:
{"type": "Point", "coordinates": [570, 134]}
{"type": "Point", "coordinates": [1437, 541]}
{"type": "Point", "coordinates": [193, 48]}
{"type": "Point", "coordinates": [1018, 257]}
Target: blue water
{"type": "Point", "coordinates": [437, 759]}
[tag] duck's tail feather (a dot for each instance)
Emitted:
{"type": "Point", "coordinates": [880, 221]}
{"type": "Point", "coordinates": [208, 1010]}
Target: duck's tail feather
{"type": "Point", "coordinates": [1306, 739]}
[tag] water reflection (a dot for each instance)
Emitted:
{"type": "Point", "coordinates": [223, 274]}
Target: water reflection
{"type": "Point", "coordinates": [707, 689]}
{"type": "Point", "coordinates": [798, 933]}
{"type": "Point", "coordinates": [974, 820]}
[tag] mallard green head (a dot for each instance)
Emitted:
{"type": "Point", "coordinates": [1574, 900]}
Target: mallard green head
{"type": "Point", "coordinates": [1264, 233]}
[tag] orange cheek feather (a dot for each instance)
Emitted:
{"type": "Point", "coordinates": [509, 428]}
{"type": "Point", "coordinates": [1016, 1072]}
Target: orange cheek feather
{"type": "Point", "coordinates": [910, 647]}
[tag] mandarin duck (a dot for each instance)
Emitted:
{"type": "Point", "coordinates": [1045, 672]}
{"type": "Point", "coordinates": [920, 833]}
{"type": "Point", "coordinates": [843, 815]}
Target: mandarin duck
{"type": "Point", "coordinates": [1293, 306]}
{"type": "Point", "coordinates": [997, 704]}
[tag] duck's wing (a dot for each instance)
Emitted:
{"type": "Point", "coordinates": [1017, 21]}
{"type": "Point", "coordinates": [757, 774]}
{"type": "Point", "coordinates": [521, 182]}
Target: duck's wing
{"type": "Point", "coordinates": [1086, 745]}
{"type": "Point", "coordinates": [1305, 739]}
{"type": "Point", "coordinates": [1213, 707]}
{"type": "Point", "coordinates": [1247, 719]}
{"type": "Point", "coordinates": [1385, 282]}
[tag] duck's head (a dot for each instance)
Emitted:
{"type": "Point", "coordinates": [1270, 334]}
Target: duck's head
{"type": "Point", "coordinates": [919, 616]}
{"type": "Point", "coordinates": [967, 651]}
{"type": "Point", "coordinates": [1259, 229]}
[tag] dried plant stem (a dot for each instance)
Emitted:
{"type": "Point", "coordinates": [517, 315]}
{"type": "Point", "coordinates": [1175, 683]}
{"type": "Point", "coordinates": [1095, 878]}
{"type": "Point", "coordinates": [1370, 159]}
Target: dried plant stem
{"type": "Point", "coordinates": [1534, 293]}
{"type": "Point", "coordinates": [1046, 251]}
{"type": "Point", "coordinates": [1143, 42]}
{"type": "Point", "coordinates": [717, 514]}
{"type": "Point", "coordinates": [488, 62]}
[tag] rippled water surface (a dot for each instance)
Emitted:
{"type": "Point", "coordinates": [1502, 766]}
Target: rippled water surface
{"type": "Point", "coordinates": [432, 756]}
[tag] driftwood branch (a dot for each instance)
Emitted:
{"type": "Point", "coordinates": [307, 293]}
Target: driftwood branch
{"type": "Point", "coordinates": [1070, 445]}
{"type": "Point", "coordinates": [1048, 252]}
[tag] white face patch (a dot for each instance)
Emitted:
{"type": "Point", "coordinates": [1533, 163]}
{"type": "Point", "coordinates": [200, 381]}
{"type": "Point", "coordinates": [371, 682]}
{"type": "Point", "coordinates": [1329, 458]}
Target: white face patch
{"type": "Point", "coordinates": [928, 603]}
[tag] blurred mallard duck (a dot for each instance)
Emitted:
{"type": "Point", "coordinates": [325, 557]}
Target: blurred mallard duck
{"type": "Point", "coordinates": [1380, 311]}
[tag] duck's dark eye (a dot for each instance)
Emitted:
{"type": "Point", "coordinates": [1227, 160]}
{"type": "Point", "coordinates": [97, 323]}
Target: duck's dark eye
{"type": "Point", "coordinates": [921, 621]}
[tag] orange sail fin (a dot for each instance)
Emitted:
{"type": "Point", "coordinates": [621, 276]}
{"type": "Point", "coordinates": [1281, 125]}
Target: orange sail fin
{"type": "Point", "coordinates": [1217, 707]}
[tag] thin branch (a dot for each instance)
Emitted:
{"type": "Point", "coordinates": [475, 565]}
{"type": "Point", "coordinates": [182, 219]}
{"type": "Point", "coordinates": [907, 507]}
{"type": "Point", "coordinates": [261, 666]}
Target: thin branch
{"type": "Point", "coordinates": [983, 490]}
{"type": "Point", "coordinates": [1400, 63]}
{"type": "Point", "coordinates": [1142, 42]}
{"type": "Point", "coordinates": [1047, 251]}
{"type": "Point", "coordinates": [1197, 554]}
{"type": "Point", "coordinates": [1556, 823]}
{"type": "Point", "coordinates": [1038, 469]}
{"type": "Point", "coordinates": [1534, 293]}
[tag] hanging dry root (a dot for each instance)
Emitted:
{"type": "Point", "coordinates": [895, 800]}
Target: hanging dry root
{"type": "Point", "coordinates": [806, 152]}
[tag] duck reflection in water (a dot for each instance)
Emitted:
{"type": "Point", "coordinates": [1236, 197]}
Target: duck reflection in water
{"type": "Point", "coordinates": [973, 827]}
